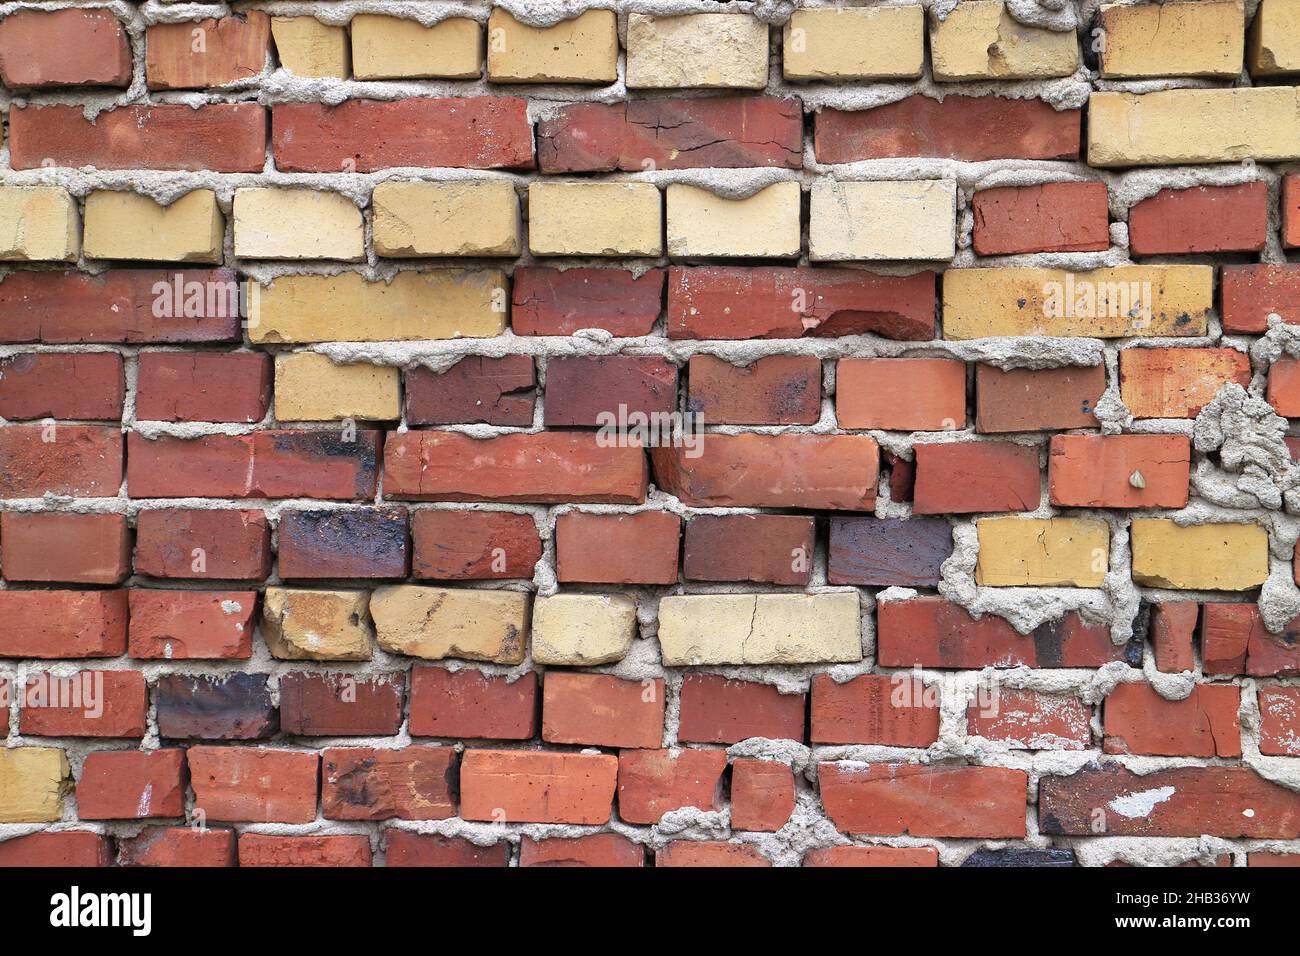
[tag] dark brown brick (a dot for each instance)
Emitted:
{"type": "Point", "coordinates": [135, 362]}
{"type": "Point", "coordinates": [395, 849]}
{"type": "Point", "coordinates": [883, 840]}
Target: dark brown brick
{"type": "Point", "coordinates": [340, 705]}
{"type": "Point", "coordinates": [202, 707]}
{"type": "Point", "coordinates": [368, 783]}
{"type": "Point", "coordinates": [776, 549]}
{"type": "Point", "coordinates": [1027, 400]}
{"type": "Point", "coordinates": [344, 543]}
{"type": "Point", "coordinates": [493, 391]}
{"type": "Point", "coordinates": [888, 551]}
{"type": "Point", "coordinates": [607, 389]}
{"type": "Point", "coordinates": [777, 390]}
{"type": "Point", "coordinates": [549, 301]}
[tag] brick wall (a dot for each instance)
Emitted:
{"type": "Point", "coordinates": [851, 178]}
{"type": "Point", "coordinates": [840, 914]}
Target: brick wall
{"type": "Point", "coordinates": [317, 546]}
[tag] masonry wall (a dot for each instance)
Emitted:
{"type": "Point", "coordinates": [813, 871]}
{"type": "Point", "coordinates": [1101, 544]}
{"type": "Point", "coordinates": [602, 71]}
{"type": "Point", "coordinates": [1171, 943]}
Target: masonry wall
{"type": "Point", "coordinates": [339, 520]}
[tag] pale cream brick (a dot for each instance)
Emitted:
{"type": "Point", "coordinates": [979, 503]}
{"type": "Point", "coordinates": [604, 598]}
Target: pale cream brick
{"type": "Point", "coordinates": [307, 47]}
{"type": "Point", "coordinates": [33, 781]}
{"type": "Point", "coordinates": [1042, 552]}
{"type": "Point", "coordinates": [1104, 303]}
{"type": "Point", "coordinates": [855, 43]}
{"type": "Point", "coordinates": [1275, 39]}
{"type": "Point", "coordinates": [311, 388]}
{"type": "Point", "coordinates": [441, 304]}
{"type": "Point", "coordinates": [581, 50]}
{"type": "Point", "coordinates": [316, 625]}
{"type": "Point", "coordinates": [980, 40]}
{"type": "Point", "coordinates": [461, 218]}
{"type": "Point", "coordinates": [1208, 557]}
{"type": "Point", "coordinates": [122, 225]}
{"type": "Point", "coordinates": [594, 219]}
{"type": "Point", "coordinates": [766, 224]}
{"type": "Point", "coordinates": [1173, 127]}
{"type": "Point", "coordinates": [911, 219]}
{"type": "Point", "coordinates": [297, 224]}
{"type": "Point", "coordinates": [1201, 38]}
{"type": "Point", "coordinates": [38, 224]}
{"type": "Point", "coordinates": [696, 50]}
{"type": "Point", "coordinates": [581, 630]}
{"type": "Point", "coordinates": [696, 629]}
{"type": "Point", "coordinates": [435, 623]}
{"type": "Point", "coordinates": [390, 48]}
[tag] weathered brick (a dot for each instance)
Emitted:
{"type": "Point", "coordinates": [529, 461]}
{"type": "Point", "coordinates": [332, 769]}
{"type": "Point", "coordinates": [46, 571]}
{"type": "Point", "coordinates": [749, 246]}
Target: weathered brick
{"type": "Point", "coordinates": [759, 628]}
{"type": "Point", "coordinates": [1028, 720]}
{"type": "Point", "coordinates": [1249, 294]}
{"type": "Point", "coordinates": [561, 301]}
{"type": "Point", "coordinates": [1173, 39]}
{"type": "Point", "coordinates": [1291, 211]}
{"type": "Point", "coordinates": [468, 218]}
{"type": "Point", "coordinates": [1177, 383]}
{"type": "Point", "coordinates": [311, 387]}
{"type": "Point", "coordinates": [765, 224]}
{"type": "Point", "coordinates": [582, 629]}
{"type": "Point", "coordinates": [605, 389]}
{"type": "Point", "coordinates": [273, 223]}
{"type": "Point", "coordinates": [436, 623]}
{"type": "Point", "coordinates": [776, 549]}
{"type": "Point", "coordinates": [234, 706]}
{"type": "Point", "coordinates": [854, 855]}
{"type": "Point", "coordinates": [217, 544]}
{"type": "Point", "coordinates": [1273, 46]}
{"type": "Point", "coordinates": [716, 710]}
{"type": "Point", "coordinates": [62, 624]}
{"type": "Point", "coordinates": [469, 703]}
{"type": "Point", "coordinates": [1235, 640]}
{"type": "Point", "coordinates": [1200, 219]}
{"type": "Point", "coordinates": [84, 704]}
{"type": "Point", "coordinates": [62, 848]}
{"type": "Point", "coordinates": [1279, 721]}
{"type": "Point", "coordinates": [925, 801]}
{"type": "Point", "coordinates": [980, 39]}
{"type": "Point", "coordinates": [852, 43]}
{"type": "Point", "coordinates": [191, 625]}
{"type": "Point", "coordinates": [72, 47]}
{"type": "Point", "coordinates": [888, 551]}
{"type": "Point", "coordinates": [254, 785]}
{"type": "Point", "coordinates": [1140, 721]}
{"type": "Point", "coordinates": [1053, 217]}
{"type": "Point", "coordinates": [33, 781]}
{"type": "Point", "coordinates": [38, 224]}
{"type": "Point", "coordinates": [432, 849]}
{"type": "Point", "coordinates": [1172, 625]}
{"type": "Point", "coordinates": [205, 53]}
{"type": "Point", "coordinates": [491, 391]}
{"type": "Point", "coordinates": [387, 48]}
{"type": "Point", "coordinates": [1026, 400]}
{"type": "Point", "coordinates": [762, 795]}
{"type": "Point", "coordinates": [966, 477]}
{"type": "Point", "coordinates": [407, 783]}
{"type": "Point", "coordinates": [353, 543]}
{"type": "Point", "coordinates": [776, 390]}
{"type": "Point", "coordinates": [653, 782]}
{"type": "Point", "coordinates": [178, 846]}
{"type": "Point", "coordinates": [340, 705]}
{"type": "Point", "coordinates": [712, 854]}
{"type": "Point", "coordinates": [67, 548]}
{"type": "Point", "coordinates": [78, 385]}
{"type": "Point", "coordinates": [596, 849]}
{"type": "Point", "coordinates": [307, 47]}
{"type": "Point", "coordinates": [264, 849]}
{"type": "Point", "coordinates": [534, 787]}
{"type": "Point", "coordinates": [1119, 471]}
{"type": "Point", "coordinates": [203, 386]}
{"type": "Point", "coordinates": [583, 49]}
{"type": "Point", "coordinates": [900, 394]}
{"type": "Point", "coordinates": [598, 710]}
{"type": "Point", "coordinates": [638, 548]}
{"type": "Point", "coordinates": [78, 460]}
{"type": "Point", "coordinates": [1042, 552]}
{"type": "Point", "coordinates": [473, 545]}
{"type": "Point", "coordinates": [594, 219]}
{"type": "Point", "coordinates": [696, 50]}
{"type": "Point", "coordinates": [132, 785]}
{"type": "Point", "coordinates": [1208, 557]}
{"type": "Point", "coordinates": [316, 625]}
{"type": "Point", "coordinates": [885, 220]}
{"type": "Point", "coordinates": [125, 225]}
{"type": "Point", "coordinates": [1284, 386]}
{"type": "Point", "coordinates": [889, 710]}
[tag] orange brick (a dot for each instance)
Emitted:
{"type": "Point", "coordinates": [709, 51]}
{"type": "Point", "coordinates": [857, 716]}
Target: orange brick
{"type": "Point", "coordinates": [873, 856]}
{"type": "Point", "coordinates": [1027, 720]}
{"type": "Point", "coordinates": [617, 549]}
{"type": "Point", "coordinates": [602, 711]}
{"type": "Point", "coordinates": [709, 853]}
{"type": "Point", "coordinates": [1119, 471]}
{"type": "Point", "coordinates": [901, 394]}
{"type": "Point", "coordinates": [1139, 721]}
{"type": "Point", "coordinates": [1284, 386]}
{"type": "Point", "coordinates": [518, 786]}
{"type": "Point", "coordinates": [762, 795]}
{"type": "Point", "coordinates": [1177, 383]}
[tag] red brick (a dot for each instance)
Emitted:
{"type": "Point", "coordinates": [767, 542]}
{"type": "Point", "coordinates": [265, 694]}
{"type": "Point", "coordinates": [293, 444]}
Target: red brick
{"type": "Point", "coordinates": [132, 785]}
{"type": "Point", "coordinates": [1273, 859]}
{"type": "Point", "coordinates": [203, 386]}
{"type": "Point", "coordinates": [1028, 400]}
{"type": "Point", "coordinates": [901, 394]}
{"type": "Point", "coordinates": [78, 460]}
{"type": "Point", "coordinates": [902, 477]}
{"type": "Point", "coordinates": [492, 391]}
{"type": "Point", "coordinates": [1279, 721]}
{"type": "Point", "coordinates": [1028, 720]}
{"type": "Point", "coordinates": [222, 137]}
{"type": "Point", "coordinates": [64, 48]}
{"type": "Point", "coordinates": [775, 549]}
{"type": "Point", "coordinates": [234, 48]}
{"type": "Point", "coordinates": [925, 801]}
{"type": "Point", "coordinates": [86, 704]}
{"type": "Point", "coordinates": [892, 710]}
{"type": "Point", "coordinates": [340, 705]}
{"type": "Point", "coordinates": [873, 856]}
{"type": "Point", "coordinates": [469, 703]}
{"type": "Point", "coordinates": [474, 545]}
{"type": "Point", "coordinates": [1284, 386]}
{"type": "Point", "coordinates": [63, 385]}
{"type": "Point", "coordinates": [516, 786]}
{"type": "Point", "coordinates": [777, 390]}
{"type": "Point", "coordinates": [596, 849]}
{"type": "Point", "coordinates": [1139, 721]}
{"type": "Point", "coordinates": [833, 472]}
{"type": "Point", "coordinates": [1177, 383]}
{"type": "Point", "coordinates": [219, 544]}
{"type": "Point", "coordinates": [603, 711]}
{"type": "Point", "coordinates": [607, 389]}
{"type": "Point", "coordinates": [268, 464]}
{"type": "Point", "coordinates": [254, 785]}
{"type": "Point", "coordinates": [118, 306]}
{"type": "Point", "coordinates": [785, 302]}
{"type": "Point", "coordinates": [63, 624]}
{"type": "Point", "coordinates": [231, 706]}
{"type": "Point", "coordinates": [343, 543]}
{"type": "Point", "coordinates": [1291, 211]}
{"type": "Point", "coordinates": [433, 849]}
{"type": "Point", "coordinates": [1249, 294]}
{"type": "Point", "coordinates": [68, 548]}
{"type": "Point", "coordinates": [263, 849]}
{"type": "Point", "coordinates": [549, 301]}
{"type": "Point", "coordinates": [178, 846]}
{"type": "Point", "coordinates": [907, 552]}
{"type": "Point", "coordinates": [762, 795]}
{"type": "Point", "coordinates": [1097, 471]}
{"type": "Point", "coordinates": [1200, 219]}
{"type": "Point", "coordinates": [715, 710]}
{"type": "Point", "coordinates": [473, 132]}
{"type": "Point", "coordinates": [1181, 801]}
{"type": "Point", "coordinates": [725, 132]}
{"type": "Point", "coordinates": [972, 128]}
{"type": "Point", "coordinates": [933, 632]}
{"type": "Point", "coordinates": [192, 625]}
{"type": "Point", "coordinates": [710, 853]}
{"type": "Point", "coordinates": [62, 848]}
{"type": "Point", "coordinates": [1172, 625]}
{"type": "Point", "coordinates": [966, 477]}
{"type": "Point", "coordinates": [1234, 640]}
{"type": "Point", "coordinates": [653, 782]}
{"type": "Point", "coordinates": [636, 548]}
{"type": "Point", "coordinates": [546, 467]}
{"type": "Point", "coordinates": [368, 783]}
{"type": "Point", "coordinates": [1052, 217]}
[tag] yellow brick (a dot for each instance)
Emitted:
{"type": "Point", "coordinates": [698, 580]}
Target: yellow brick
{"type": "Point", "coordinates": [434, 623]}
{"type": "Point", "coordinates": [309, 625]}
{"type": "Point", "coordinates": [468, 218]}
{"type": "Point", "coordinates": [1202, 38]}
{"type": "Point", "coordinates": [581, 630]}
{"type": "Point", "coordinates": [765, 224]}
{"type": "Point", "coordinates": [1172, 127]}
{"type": "Point", "coordinates": [980, 40]}
{"type": "Point", "coordinates": [307, 47]}
{"type": "Point", "coordinates": [33, 781]}
{"type": "Point", "coordinates": [1210, 557]}
{"type": "Point", "coordinates": [594, 219]}
{"type": "Point", "coordinates": [127, 226]}
{"type": "Point", "coordinates": [882, 220]}
{"type": "Point", "coordinates": [390, 48]}
{"type": "Point", "coordinates": [581, 50]}
{"type": "Point", "coordinates": [1042, 552]}
{"type": "Point", "coordinates": [1103, 303]}
{"type": "Point", "coordinates": [442, 304]}
{"type": "Point", "coordinates": [38, 224]}
{"type": "Point", "coordinates": [855, 43]}
{"type": "Point", "coordinates": [312, 388]}
{"type": "Point", "coordinates": [697, 50]}
{"type": "Point", "coordinates": [699, 629]}
{"type": "Point", "coordinates": [297, 224]}
{"type": "Point", "coordinates": [1275, 38]}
